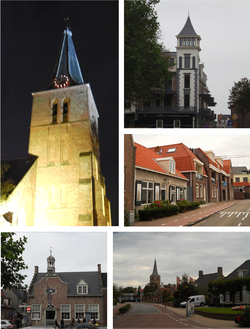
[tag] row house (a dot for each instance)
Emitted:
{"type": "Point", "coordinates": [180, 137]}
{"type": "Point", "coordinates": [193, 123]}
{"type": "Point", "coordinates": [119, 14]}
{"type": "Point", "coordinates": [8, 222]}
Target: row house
{"type": "Point", "coordinates": [190, 166]}
{"type": "Point", "coordinates": [241, 297]}
{"type": "Point", "coordinates": [241, 178]}
{"type": "Point", "coordinates": [185, 102]}
{"type": "Point", "coordinates": [220, 179]}
{"type": "Point", "coordinates": [157, 178]}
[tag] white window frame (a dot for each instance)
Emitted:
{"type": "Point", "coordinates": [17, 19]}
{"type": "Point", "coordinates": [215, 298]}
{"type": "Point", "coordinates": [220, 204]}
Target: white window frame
{"type": "Point", "coordinates": [172, 191]}
{"type": "Point", "coordinates": [93, 310]}
{"type": "Point", "coordinates": [147, 188]}
{"type": "Point", "coordinates": [159, 123]}
{"type": "Point", "coordinates": [201, 191]}
{"type": "Point", "coordinates": [177, 123]}
{"type": "Point", "coordinates": [63, 311]}
{"type": "Point", "coordinates": [35, 312]}
{"type": "Point", "coordinates": [172, 166]}
{"type": "Point", "coordinates": [82, 289]}
{"type": "Point", "coordinates": [79, 311]}
{"type": "Point", "coordinates": [197, 189]}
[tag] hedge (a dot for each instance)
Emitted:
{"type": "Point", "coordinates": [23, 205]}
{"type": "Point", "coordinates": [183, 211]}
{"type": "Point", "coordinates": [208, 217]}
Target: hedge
{"type": "Point", "coordinates": [159, 209]}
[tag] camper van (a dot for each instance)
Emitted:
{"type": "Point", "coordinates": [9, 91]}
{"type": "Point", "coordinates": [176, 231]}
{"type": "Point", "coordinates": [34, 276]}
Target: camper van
{"type": "Point", "coordinates": [198, 300]}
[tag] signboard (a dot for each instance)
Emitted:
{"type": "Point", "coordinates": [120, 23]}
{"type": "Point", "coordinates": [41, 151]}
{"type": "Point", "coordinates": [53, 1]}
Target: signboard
{"type": "Point", "coordinates": [190, 309]}
{"type": "Point", "coordinates": [235, 124]}
{"type": "Point", "coordinates": [28, 309]}
{"type": "Point", "coordinates": [234, 116]}
{"type": "Point", "coordinates": [230, 123]}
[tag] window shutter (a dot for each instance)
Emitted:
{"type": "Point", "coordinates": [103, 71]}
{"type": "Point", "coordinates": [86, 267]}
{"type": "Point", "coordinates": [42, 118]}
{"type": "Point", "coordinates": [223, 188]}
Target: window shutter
{"type": "Point", "coordinates": [138, 192]}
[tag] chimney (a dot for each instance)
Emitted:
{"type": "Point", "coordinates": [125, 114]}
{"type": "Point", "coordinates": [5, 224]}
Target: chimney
{"type": "Point", "coordinates": [200, 273]}
{"type": "Point", "coordinates": [36, 269]}
{"type": "Point", "coordinates": [99, 268]}
{"type": "Point", "coordinates": [219, 271]}
{"type": "Point", "coordinates": [158, 149]}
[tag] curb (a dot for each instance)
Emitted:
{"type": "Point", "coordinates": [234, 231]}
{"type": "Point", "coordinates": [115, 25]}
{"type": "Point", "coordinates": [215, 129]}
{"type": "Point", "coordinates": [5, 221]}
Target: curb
{"type": "Point", "coordinates": [200, 220]}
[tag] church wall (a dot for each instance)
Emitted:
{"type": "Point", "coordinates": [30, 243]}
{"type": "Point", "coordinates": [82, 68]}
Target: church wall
{"type": "Point", "coordinates": [68, 158]}
{"type": "Point", "coordinates": [21, 202]}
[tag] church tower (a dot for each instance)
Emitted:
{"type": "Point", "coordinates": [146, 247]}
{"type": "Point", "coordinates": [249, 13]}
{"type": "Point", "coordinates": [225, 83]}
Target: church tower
{"type": "Point", "coordinates": [70, 189]}
{"type": "Point", "coordinates": [187, 73]}
{"type": "Point", "coordinates": [155, 277]}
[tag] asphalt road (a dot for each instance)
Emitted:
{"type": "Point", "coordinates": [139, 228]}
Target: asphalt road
{"type": "Point", "coordinates": [147, 316]}
{"type": "Point", "coordinates": [236, 215]}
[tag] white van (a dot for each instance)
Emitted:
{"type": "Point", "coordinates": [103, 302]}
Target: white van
{"type": "Point", "coordinates": [198, 300]}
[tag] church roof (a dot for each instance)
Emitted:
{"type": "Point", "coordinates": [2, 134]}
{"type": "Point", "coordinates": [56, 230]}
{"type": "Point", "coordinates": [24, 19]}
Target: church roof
{"type": "Point", "coordinates": [188, 30]}
{"type": "Point", "coordinates": [72, 279]}
{"type": "Point", "coordinates": [67, 63]}
{"type": "Point", "coordinates": [155, 271]}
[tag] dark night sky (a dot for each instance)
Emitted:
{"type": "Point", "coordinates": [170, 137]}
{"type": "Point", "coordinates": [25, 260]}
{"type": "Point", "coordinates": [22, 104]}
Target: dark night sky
{"type": "Point", "coordinates": [31, 37]}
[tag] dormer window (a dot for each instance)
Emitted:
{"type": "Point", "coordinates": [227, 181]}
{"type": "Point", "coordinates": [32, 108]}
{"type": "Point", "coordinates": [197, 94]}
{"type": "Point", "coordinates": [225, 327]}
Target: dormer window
{"type": "Point", "coordinates": [82, 288]}
{"type": "Point", "coordinates": [172, 166]}
{"type": "Point", "coordinates": [171, 150]}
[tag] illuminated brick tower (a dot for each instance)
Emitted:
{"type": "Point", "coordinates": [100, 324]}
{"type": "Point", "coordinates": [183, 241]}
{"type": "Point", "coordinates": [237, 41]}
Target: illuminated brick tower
{"type": "Point", "coordinates": [70, 189]}
{"type": "Point", "coordinates": [155, 277]}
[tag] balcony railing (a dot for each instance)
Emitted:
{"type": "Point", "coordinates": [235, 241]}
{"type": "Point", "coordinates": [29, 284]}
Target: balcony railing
{"type": "Point", "coordinates": [167, 109]}
{"type": "Point", "coordinates": [199, 177]}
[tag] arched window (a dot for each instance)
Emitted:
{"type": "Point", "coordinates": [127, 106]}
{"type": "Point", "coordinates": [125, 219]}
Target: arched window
{"type": "Point", "coordinates": [65, 111]}
{"type": "Point", "coordinates": [54, 113]}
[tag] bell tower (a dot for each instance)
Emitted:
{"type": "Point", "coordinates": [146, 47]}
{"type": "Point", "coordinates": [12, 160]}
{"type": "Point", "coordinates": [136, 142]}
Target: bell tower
{"type": "Point", "coordinates": [70, 189]}
{"type": "Point", "coordinates": [187, 73]}
{"type": "Point", "coordinates": [51, 264]}
{"type": "Point", "coordinates": [155, 277]}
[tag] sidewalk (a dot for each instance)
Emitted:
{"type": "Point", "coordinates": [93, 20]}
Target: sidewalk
{"type": "Point", "coordinates": [189, 218]}
{"type": "Point", "coordinates": [202, 319]}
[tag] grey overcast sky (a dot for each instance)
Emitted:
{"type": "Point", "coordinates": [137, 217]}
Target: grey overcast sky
{"type": "Point", "coordinates": [229, 142]}
{"type": "Point", "coordinates": [176, 254]}
{"type": "Point", "coordinates": [224, 30]}
{"type": "Point", "coordinates": [77, 252]}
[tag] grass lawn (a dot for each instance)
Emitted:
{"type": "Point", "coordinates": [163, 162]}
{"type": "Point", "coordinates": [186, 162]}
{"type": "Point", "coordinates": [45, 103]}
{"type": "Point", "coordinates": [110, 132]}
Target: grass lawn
{"type": "Point", "coordinates": [221, 310]}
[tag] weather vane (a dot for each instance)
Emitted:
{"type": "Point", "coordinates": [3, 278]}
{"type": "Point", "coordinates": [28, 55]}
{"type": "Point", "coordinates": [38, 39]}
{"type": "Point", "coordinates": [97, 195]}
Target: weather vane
{"type": "Point", "coordinates": [50, 251]}
{"type": "Point", "coordinates": [67, 23]}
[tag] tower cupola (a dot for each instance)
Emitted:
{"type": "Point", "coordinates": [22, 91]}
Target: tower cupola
{"type": "Point", "coordinates": [51, 264]}
{"type": "Point", "coordinates": [188, 37]}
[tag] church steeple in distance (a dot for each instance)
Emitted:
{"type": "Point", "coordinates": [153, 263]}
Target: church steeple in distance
{"type": "Point", "coordinates": [155, 277]}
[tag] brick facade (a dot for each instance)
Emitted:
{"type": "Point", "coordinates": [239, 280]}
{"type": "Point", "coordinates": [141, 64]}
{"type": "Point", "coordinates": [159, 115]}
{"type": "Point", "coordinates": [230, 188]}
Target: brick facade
{"type": "Point", "coordinates": [129, 171]}
{"type": "Point", "coordinates": [65, 297]}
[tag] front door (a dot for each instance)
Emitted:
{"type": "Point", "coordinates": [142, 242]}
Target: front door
{"type": "Point", "coordinates": [50, 317]}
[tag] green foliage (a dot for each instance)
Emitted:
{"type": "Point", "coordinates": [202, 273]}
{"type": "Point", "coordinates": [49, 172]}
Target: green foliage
{"type": "Point", "coordinates": [12, 262]}
{"type": "Point", "coordinates": [7, 184]}
{"type": "Point", "coordinates": [160, 209]}
{"type": "Point", "coordinates": [150, 288]}
{"type": "Point", "coordinates": [145, 66]}
{"type": "Point", "coordinates": [128, 290]}
{"type": "Point", "coordinates": [244, 318]}
{"type": "Point", "coordinates": [185, 288]}
{"type": "Point", "coordinates": [239, 97]}
{"type": "Point", "coordinates": [117, 291]}
{"type": "Point", "coordinates": [124, 309]}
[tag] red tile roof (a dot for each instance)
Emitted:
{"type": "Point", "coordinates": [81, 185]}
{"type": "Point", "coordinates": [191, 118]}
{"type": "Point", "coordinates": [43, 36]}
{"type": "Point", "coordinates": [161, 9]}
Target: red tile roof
{"type": "Point", "coordinates": [241, 183]}
{"type": "Point", "coordinates": [146, 158]}
{"type": "Point", "coordinates": [183, 156]}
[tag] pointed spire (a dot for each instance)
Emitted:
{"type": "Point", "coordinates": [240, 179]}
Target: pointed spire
{"type": "Point", "coordinates": [155, 271]}
{"type": "Point", "coordinates": [67, 70]}
{"type": "Point", "coordinates": [188, 30]}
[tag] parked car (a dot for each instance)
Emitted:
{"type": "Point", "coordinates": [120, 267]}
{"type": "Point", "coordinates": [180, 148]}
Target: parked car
{"type": "Point", "coordinates": [198, 300]}
{"type": "Point", "coordinates": [8, 324]}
